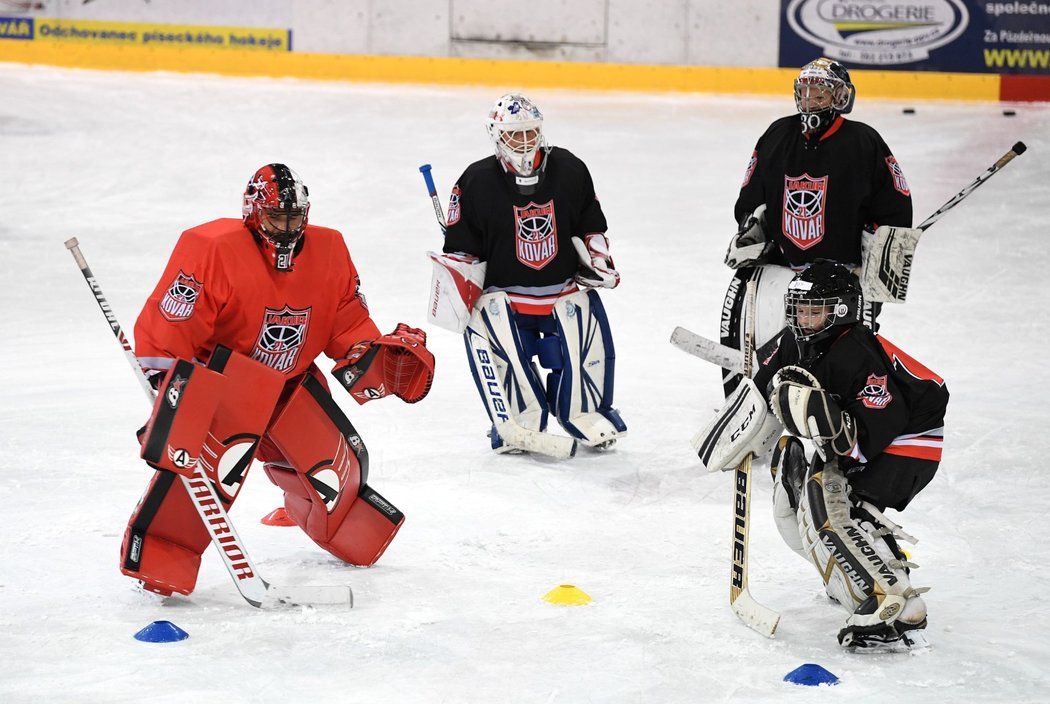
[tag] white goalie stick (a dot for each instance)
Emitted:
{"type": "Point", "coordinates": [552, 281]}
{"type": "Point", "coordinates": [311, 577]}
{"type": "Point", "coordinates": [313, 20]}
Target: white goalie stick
{"type": "Point", "coordinates": [513, 433]}
{"type": "Point", "coordinates": [756, 616]}
{"type": "Point", "coordinates": [255, 590]}
{"type": "Point", "coordinates": [708, 350]}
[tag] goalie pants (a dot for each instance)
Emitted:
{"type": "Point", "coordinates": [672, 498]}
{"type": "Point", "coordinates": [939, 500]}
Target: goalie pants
{"type": "Point", "coordinates": [891, 481]}
{"type": "Point", "coordinates": [310, 450]}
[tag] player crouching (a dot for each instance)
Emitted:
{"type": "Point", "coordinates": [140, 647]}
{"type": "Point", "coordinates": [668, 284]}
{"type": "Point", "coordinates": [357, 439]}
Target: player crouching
{"type": "Point", "coordinates": [229, 337]}
{"type": "Point", "coordinates": [875, 417]}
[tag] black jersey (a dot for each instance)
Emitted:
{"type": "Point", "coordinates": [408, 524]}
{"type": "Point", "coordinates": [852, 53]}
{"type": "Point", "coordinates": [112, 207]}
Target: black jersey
{"type": "Point", "coordinates": [820, 193]}
{"type": "Point", "coordinates": [897, 403]}
{"type": "Point", "coordinates": [525, 240]}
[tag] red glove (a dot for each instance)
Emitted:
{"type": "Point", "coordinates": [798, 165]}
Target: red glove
{"type": "Point", "coordinates": [398, 363]}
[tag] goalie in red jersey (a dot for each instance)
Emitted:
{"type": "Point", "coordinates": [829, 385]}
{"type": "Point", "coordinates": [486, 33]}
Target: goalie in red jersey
{"type": "Point", "coordinates": [228, 338]}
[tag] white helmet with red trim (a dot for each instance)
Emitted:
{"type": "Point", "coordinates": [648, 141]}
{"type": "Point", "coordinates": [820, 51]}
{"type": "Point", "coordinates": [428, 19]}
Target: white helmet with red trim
{"type": "Point", "coordinates": [515, 126]}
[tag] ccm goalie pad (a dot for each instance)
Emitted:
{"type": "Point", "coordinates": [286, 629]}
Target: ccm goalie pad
{"type": "Point", "coordinates": [853, 547]}
{"type": "Point", "coordinates": [887, 255]}
{"type": "Point", "coordinates": [324, 478]}
{"type": "Point", "coordinates": [584, 386]}
{"type": "Point", "coordinates": [743, 427]}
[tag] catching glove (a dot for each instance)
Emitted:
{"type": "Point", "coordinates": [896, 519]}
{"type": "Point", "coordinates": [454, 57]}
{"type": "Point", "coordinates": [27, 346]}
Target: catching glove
{"type": "Point", "coordinates": [398, 364]}
{"type": "Point", "coordinates": [598, 270]}
{"type": "Point", "coordinates": [749, 245]}
{"type": "Point", "coordinates": [808, 411]}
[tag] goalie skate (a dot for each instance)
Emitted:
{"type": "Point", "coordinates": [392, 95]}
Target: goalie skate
{"type": "Point", "coordinates": [894, 637]}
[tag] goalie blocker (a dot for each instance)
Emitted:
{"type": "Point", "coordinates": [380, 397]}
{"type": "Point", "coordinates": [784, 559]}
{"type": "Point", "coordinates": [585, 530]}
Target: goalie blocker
{"type": "Point", "coordinates": [311, 451]}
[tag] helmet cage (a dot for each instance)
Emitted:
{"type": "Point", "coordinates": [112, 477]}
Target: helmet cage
{"type": "Point", "coordinates": [824, 77]}
{"type": "Point", "coordinates": [834, 295]}
{"type": "Point", "coordinates": [515, 127]}
{"type": "Point", "coordinates": [276, 206]}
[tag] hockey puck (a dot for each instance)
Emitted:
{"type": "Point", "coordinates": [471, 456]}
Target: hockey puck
{"type": "Point", "coordinates": [908, 111]}
{"type": "Point", "coordinates": [1009, 113]}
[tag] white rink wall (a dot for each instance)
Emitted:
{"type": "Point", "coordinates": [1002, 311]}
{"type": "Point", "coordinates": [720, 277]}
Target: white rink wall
{"type": "Point", "coordinates": [692, 33]}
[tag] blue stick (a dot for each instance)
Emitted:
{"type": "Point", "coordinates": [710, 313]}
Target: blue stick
{"type": "Point", "coordinates": [432, 190]}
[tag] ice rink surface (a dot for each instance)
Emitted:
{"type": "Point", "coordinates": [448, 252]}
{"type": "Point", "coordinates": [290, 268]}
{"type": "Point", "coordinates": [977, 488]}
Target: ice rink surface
{"type": "Point", "coordinates": [453, 611]}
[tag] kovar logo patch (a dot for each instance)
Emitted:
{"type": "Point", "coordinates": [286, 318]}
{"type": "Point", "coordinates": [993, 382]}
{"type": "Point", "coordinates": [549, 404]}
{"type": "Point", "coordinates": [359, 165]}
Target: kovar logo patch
{"type": "Point", "coordinates": [536, 234]}
{"type": "Point", "coordinates": [453, 206]}
{"type": "Point", "coordinates": [180, 298]}
{"type": "Point", "coordinates": [804, 199]}
{"type": "Point", "coordinates": [281, 337]}
{"type": "Point", "coordinates": [875, 393]}
{"type": "Point", "coordinates": [899, 182]}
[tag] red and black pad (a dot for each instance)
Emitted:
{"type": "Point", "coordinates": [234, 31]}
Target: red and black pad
{"type": "Point", "coordinates": [165, 537]}
{"type": "Point", "coordinates": [181, 417]}
{"type": "Point", "coordinates": [241, 418]}
{"type": "Point", "coordinates": [325, 490]}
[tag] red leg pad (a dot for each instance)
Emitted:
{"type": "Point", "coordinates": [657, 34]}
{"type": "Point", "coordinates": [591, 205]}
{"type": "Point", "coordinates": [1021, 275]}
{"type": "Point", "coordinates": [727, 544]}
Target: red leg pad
{"type": "Point", "coordinates": [182, 414]}
{"type": "Point", "coordinates": [164, 539]}
{"type": "Point", "coordinates": [325, 493]}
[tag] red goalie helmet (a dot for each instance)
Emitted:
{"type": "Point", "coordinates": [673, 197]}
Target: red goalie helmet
{"type": "Point", "coordinates": [276, 206]}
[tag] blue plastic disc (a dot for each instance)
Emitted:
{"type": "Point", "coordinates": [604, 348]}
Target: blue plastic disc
{"type": "Point", "coordinates": [161, 632]}
{"type": "Point", "coordinates": [810, 675]}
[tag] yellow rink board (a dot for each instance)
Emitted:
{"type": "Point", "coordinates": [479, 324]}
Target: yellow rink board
{"type": "Point", "coordinates": [486, 72]}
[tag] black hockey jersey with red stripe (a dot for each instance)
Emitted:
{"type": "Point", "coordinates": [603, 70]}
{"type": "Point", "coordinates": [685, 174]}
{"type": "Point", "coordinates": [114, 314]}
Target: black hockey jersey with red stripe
{"type": "Point", "coordinates": [525, 240]}
{"type": "Point", "coordinates": [897, 402]}
{"type": "Point", "coordinates": [820, 193]}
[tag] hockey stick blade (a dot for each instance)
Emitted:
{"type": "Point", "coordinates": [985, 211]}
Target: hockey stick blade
{"type": "Point", "coordinates": [286, 597]}
{"type": "Point", "coordinates": [708, 350]}
{"type": "Point", "coordinates": [758, 618]}
{"type": "Point", "coordinates": [559, 447]}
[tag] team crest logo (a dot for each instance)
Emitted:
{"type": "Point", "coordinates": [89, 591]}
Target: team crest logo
{"type": "Point", "coordinates": [875, 394]}
{"type": "Point", "coordinates": [536, 234]}
{"type": "Point", "coordinates": [899, 182]}
{"type": "Point", "coordinates": [281, 337]}
{"type": "Point", "coordinates": [750, 168]}
{"type": "Point", "coordinates": [453, 206]}
{"type": "Point", "coordinates": [178, 301]}
{"type": "Point", "coordinates": [804, 198]}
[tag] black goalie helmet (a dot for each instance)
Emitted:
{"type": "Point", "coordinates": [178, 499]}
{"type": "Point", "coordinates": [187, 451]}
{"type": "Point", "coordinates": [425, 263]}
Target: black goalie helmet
{"type": "Point", "coordinates": [823, 91]}
{"type": "Point", "coordinates": [821, 298]}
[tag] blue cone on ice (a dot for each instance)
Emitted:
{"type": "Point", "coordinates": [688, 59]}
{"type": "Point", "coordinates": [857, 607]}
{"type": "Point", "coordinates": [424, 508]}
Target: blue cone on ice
{"type": "Point", "coordinates": [161, 632]}
{"type": "Point", "coordinates": [811, 675]}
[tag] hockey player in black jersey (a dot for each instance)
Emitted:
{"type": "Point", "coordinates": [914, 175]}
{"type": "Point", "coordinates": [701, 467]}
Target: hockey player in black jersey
{"type": "Point", "coordinates": [875, 418]}
{"type": "Point", "coordinates": [815, 183]}
{"type": "Point", "coordinates": [525, 227]}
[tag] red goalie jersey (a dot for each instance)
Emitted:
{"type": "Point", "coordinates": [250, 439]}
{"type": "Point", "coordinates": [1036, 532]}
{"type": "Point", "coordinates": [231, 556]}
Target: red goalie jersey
{"type": "Point", "coordinates": [220, 288]}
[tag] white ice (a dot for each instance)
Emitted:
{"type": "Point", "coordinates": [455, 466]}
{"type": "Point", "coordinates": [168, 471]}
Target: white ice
{"type": "Point", "coordinates": [453, 611]}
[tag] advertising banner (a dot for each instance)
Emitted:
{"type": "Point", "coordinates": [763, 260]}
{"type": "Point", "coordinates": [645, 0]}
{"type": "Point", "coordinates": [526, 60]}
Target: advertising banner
{"type": "Point", "coordinates": [952, 36]}
{"type": "Point", "coordinates": [42, 29]}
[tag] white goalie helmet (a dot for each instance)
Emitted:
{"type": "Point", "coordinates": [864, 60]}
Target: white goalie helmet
{"type": "Point", "coordinates": [515, 126]}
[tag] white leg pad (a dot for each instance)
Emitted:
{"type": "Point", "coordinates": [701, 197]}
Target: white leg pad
{"type": "Point", "coordinates": [585, 392]}
{"type": "Point", "coordinates": [522, 389]}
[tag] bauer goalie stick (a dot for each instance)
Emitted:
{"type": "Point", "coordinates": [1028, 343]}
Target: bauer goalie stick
{"type": "Point", "coordinates": [513, 433]}
{"type": "Point", "coordinates": [255, 590]}
{"type": "Point", "coordinates": [756, 616]}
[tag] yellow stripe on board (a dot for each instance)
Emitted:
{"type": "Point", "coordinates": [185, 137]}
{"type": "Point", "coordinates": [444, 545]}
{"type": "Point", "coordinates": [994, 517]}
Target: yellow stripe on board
{"type": "Point", "coordinates": [502, 73]}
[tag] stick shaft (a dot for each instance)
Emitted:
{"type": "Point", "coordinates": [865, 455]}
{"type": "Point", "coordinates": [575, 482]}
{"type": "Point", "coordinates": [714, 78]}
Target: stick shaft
{"type": "Point", "coordinates": [995, 168]}
{"type": "Point", "coordinates": [198, 487]}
